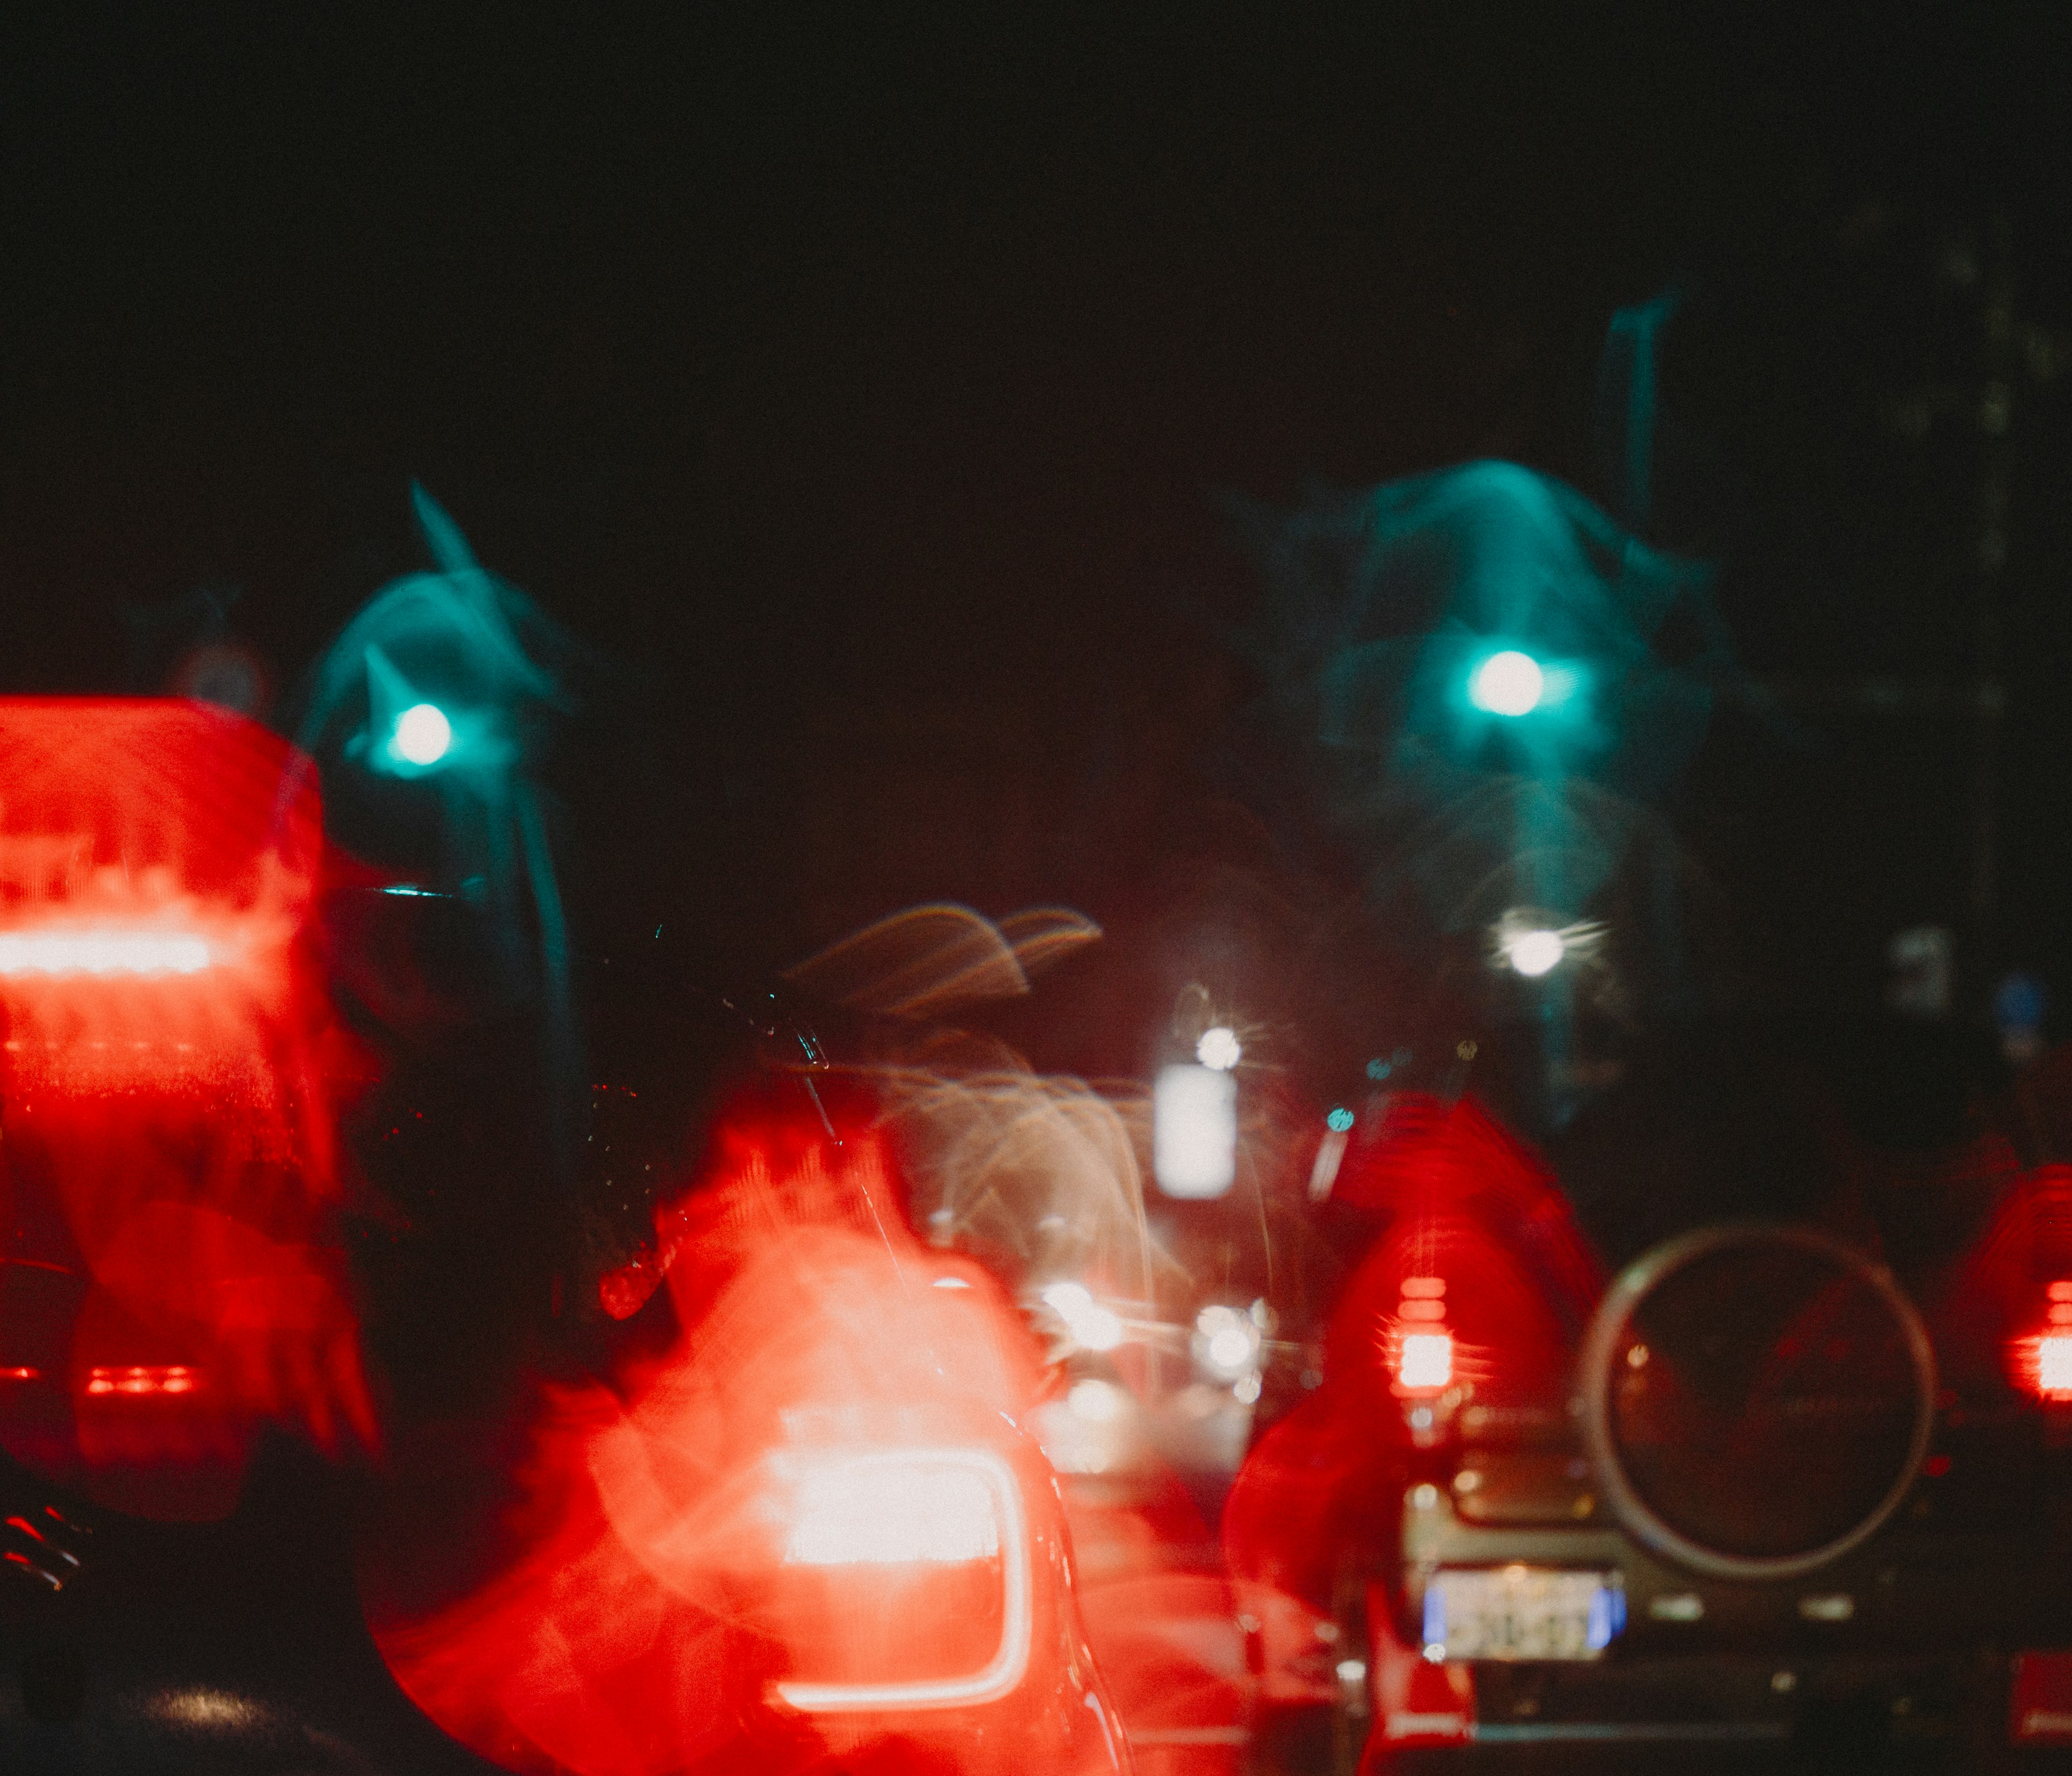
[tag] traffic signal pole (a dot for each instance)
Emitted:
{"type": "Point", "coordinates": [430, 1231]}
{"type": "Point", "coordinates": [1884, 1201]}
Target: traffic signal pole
{"type": "Point", "coordinates": [1995, 419]}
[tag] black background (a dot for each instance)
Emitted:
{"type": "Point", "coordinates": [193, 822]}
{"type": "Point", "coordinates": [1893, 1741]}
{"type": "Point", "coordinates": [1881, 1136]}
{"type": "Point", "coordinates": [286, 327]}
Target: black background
{"type": "Point", "coordinates": [872, 382]}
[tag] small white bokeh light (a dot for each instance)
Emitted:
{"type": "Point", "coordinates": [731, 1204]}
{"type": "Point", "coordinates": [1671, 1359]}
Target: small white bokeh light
{"type": "Point", "coordinates": [1535, 953]}
{"type": "Point", "coordinates": [1532, 943]}
{"type": "Point", "coordinates": [1226, 1342]}
{"type": "Point", "coordinates": [1219, 1049]}
{"type": "Point", "coordinates": [1092, 1326]}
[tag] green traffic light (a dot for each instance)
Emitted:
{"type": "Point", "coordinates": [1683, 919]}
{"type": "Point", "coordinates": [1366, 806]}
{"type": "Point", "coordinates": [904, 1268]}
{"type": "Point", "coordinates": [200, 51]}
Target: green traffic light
{"type": "Point", "coordinates": [1510, 684]}
{"type": "Point", "coordinates": [423, 735]}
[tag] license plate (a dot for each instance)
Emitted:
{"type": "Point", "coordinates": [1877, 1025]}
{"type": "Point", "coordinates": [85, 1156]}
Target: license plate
{"type": "Point", "coordinates": [1521, 1612]}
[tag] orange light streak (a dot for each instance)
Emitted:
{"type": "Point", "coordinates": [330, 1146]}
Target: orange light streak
{"type": "Point", "coordinates": [142, 1379]}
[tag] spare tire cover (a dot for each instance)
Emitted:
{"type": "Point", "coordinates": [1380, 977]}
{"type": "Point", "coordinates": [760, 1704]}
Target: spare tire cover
{"type": "Point", "coordinates": [1757, 1399]}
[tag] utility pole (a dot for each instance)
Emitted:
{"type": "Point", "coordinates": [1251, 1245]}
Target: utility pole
{"type": "Point", "coordinates": [2011, 357]}
{"type": "Point", "coordinates": [1995, 420]}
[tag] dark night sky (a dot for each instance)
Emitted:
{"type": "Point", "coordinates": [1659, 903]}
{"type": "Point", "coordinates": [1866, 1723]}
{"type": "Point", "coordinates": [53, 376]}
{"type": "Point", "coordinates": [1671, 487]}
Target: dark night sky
{"type": "Point", "coordinates": [847, 359]}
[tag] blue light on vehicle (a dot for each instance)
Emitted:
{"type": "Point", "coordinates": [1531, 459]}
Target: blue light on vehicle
{"type": "Point", "coordinates": [1607, 1618]}
{"type": "Point", "coordinates": [1435, 1617]}
{"type": "Point", "coordinates": [1339, 1119]}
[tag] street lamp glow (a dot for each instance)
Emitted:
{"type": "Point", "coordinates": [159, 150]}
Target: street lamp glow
{"type": "Point", "coordinates": [1535, 953]}
{"type": "Point", "coordinates": [423, 735]}
{"type": "Point", "coordinates": [1219, 1049]}
{"type": "Point", "coordinates": [1507, 684]}
{"type": "Point", "coordinates": [1194, 1132]}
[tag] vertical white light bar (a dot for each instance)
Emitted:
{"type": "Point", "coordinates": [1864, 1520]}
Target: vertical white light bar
{"type": "Point", "coordinates": [1194, 1131]}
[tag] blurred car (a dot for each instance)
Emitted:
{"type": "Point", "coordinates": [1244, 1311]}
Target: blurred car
{"type": "Point", "coordinates": [787, 1516]}
{"type": "Point", "coordinates": [172, 1283]}
{"type": "Point", "coordinates": [1794, 1478]}
{"type": "Point", "coordinates": [324, 1383]}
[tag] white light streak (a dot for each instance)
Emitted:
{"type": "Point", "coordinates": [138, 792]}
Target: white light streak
{"type": "Point", "coordinates": [102, 952]}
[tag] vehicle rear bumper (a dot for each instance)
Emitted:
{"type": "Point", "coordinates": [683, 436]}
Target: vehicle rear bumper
{"type": "Point", "coordinates": [1904, 1593]}
{"type": "Point", "coordinates": [1935, 1640]}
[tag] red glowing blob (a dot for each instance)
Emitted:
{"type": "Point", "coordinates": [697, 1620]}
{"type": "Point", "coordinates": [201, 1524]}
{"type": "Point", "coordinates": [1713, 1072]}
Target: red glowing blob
{"type": "Point", "coordinates": [1480, 1277]}
{"type": "Point", "coordinates": [1997, 1313]}
{"type": "Point", "coordinates": [1424, 1361]}
{"type": "Point", "coordinates": [1475, 1290]}
{"type": "Point", "coordinates": [811, 1528]}
{"type": "Point", "coordinates": [164, 1103]}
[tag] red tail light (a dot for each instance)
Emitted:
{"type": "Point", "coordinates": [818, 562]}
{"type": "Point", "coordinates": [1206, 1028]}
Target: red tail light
{"type": "Point", "coordinates": [2053, 1366]}
{"type": "Point", "coordinates": [922, 1508]}
{"type": "Point", "coordinates": [166, 1102]}
{"type": "Point", "coordinates": [904, 1580]}
{"type": "Point", "coordinates": [1423, 1348]}
{"type": "Point", "coordinates": [1479, 1284]}
{"type": "Point", "coordinates": [2050, 1360]}
{"type": "Point", "coordinates": [1424, 1361]}
{"type": "Point", "coordinates": [173, 1378]}
{"type": "Point", "coordinates": [152, 842]}
{"type": "Point", "coordinates": [811, 1505]}
{"type": "Point", "coordinates": [102, 950]}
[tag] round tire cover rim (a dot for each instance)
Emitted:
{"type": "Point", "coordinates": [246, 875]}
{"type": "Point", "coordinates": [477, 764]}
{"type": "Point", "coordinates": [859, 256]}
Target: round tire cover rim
{"type": "Point", "coordinates": [1601, 1347]}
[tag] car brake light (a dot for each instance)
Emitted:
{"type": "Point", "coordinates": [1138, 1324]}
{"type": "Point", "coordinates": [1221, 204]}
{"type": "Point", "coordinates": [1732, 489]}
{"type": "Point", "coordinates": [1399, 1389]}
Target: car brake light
{"type": "Point", "coordinates": [102, 950]}
{"type": "Point", "coordinates": [897, 1510]}
{"type": "Point", "coordinates": [1424, 1348]}
{"type": "Point", "coordinates": [2053, 1366]}
{"type": "Point", "coordinates": [1426, 1360]}
{"type": "Point", "coordinates": [905, 1580]}
{"type": "Point", "coordinates": [2044, 1360]}
{"type": "Point", "coordinates": [142, 1378]}
{"type": "Point", "coordinates": [157, 860]}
